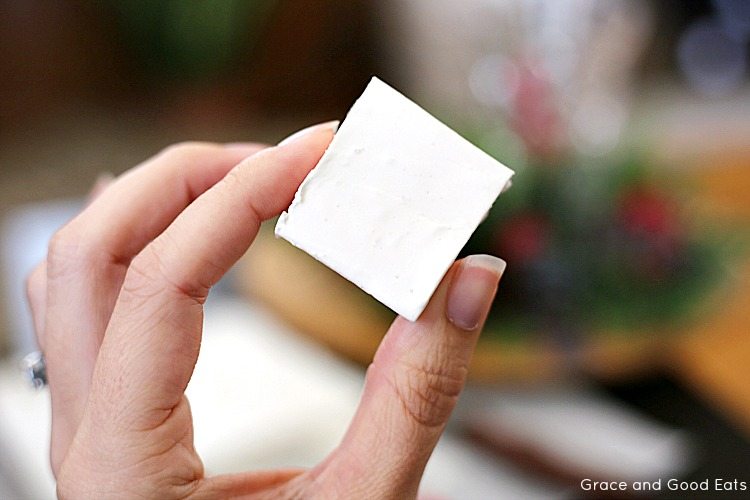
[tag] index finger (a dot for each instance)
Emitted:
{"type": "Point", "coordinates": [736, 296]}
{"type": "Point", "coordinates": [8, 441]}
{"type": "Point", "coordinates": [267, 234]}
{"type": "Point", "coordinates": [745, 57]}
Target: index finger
{"type": "Point", "coordinates": [153, 339]}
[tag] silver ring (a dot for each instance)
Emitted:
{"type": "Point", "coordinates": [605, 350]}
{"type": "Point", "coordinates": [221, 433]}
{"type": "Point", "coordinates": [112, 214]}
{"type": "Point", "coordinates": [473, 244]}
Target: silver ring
{"type": "Point", "coordinates": [35, 367]}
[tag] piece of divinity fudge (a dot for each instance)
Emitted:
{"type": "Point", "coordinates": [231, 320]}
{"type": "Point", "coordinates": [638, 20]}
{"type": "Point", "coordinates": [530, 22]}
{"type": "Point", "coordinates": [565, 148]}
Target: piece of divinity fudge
{"type": "Point", "coordinates": [393, 200]}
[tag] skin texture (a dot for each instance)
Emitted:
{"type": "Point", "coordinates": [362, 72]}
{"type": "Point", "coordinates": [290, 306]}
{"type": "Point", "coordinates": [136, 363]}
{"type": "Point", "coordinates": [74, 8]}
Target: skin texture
{"type": "Point", "coordinates": [118, 309]}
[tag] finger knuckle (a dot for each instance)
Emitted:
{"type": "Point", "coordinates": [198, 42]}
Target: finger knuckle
{"type": "Point", "coordinates": [61, 242]}
{"type": "Point", "coordinates": [429, 393]}
{"type": "Point", "coordinates": [66, 250]}
{"type": "Point", "coordinates": [236, 178]}
{"type": "Point", "coordinates": [239, 179]}
{"type": "Point", "coordinates": [149, 275]}
{"type": "Point", "coordinates": [139, 283]}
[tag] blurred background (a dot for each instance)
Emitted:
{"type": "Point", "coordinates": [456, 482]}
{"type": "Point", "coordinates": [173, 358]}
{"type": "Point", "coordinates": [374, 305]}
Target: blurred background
{"type": "Point", "coordinates": [619, 344]}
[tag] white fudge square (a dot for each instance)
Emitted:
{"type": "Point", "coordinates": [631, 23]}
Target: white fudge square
{"type": "Point", "coordinates": [393, 200]}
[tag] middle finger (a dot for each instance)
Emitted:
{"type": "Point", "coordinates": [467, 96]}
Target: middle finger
{"type": "Point", "coordinates": [88, 258]}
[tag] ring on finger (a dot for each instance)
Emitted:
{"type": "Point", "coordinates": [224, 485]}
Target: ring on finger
{"type": "Point", "coordinates": [35, 368]}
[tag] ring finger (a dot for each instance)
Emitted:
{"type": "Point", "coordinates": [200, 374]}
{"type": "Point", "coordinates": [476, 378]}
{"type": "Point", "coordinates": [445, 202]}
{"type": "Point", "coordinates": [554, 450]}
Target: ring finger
{"type": "Point", "coordinates": [36, 282]}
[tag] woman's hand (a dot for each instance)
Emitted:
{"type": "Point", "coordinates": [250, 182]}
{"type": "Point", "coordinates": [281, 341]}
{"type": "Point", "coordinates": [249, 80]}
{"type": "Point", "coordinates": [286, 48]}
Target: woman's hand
{"type": "Point", "coordinates": [118, 308]}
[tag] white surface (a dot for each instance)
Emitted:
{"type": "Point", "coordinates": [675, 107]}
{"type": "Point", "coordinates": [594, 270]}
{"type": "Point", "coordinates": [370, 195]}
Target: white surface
{"type": "Point", "coordinates": [24, 435]}
{"type": "Point", "coordinates": [393, 200]}
{"type": "Point", "coordinates": [264, 397]}
{"type": "Point", "coordinates": [589, 432]}
{"type": "Point", "coordinates": [459, 471]}
{"type": "Point", "coordinates": [261, 397]}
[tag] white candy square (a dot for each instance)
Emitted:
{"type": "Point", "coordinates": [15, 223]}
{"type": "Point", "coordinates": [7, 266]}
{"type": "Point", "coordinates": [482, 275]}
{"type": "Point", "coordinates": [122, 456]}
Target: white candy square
{"type": "Point", "coordinates": [393, 200]}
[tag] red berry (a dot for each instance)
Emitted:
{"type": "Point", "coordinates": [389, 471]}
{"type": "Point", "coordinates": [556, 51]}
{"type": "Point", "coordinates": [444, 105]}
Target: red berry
{"type": "Point", "coordinates": [523, 239]}
{"type": "Point", "coordinates": [646, 212]}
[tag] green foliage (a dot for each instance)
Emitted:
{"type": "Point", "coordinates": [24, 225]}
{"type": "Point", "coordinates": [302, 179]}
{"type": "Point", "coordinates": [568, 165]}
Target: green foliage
{"type": "Point", "coordinates": [595, 248]}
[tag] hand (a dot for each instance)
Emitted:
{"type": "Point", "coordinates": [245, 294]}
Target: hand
{"type": "Point", "coordinates": [118, 308]}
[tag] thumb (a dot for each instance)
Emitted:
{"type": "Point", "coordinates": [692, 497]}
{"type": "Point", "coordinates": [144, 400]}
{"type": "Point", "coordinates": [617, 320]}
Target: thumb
{"type": "Point", "coordinates": [413, 384]}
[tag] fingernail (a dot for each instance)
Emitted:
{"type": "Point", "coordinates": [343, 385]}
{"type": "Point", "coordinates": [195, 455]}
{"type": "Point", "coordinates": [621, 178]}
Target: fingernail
{"type": "Point", "coordinates": [472, 290]}
{"type": "Point", "coordinates": [332, 126]}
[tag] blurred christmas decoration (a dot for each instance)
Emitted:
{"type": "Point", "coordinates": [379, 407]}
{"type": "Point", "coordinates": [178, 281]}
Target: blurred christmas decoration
{"type": "Point", "coordinates": [594, 250]}
{"type": "Point", "coordinates": [566, 67]}
{"type": "Point", "coordinates": [595, 241]}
